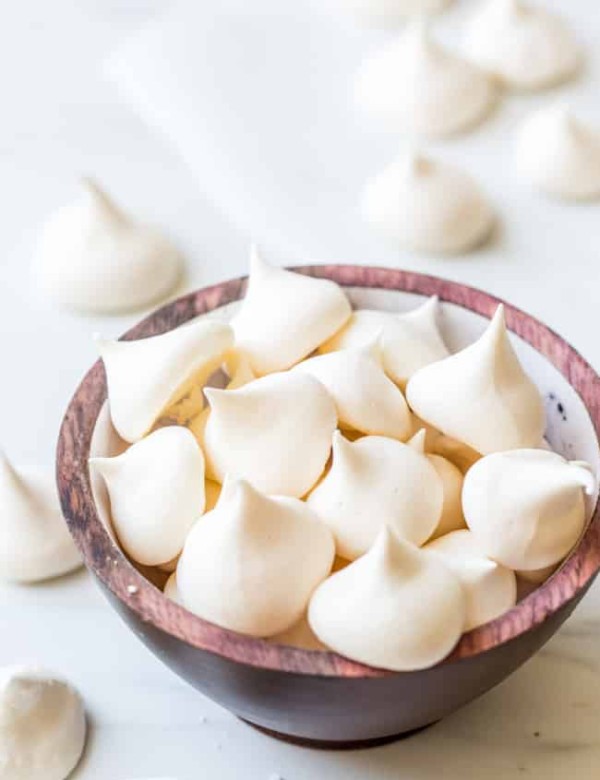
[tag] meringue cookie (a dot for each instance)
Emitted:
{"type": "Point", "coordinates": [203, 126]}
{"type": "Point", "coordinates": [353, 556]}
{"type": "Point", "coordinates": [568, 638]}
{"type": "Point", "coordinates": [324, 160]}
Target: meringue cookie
{"type": "Point", "coordinates": [42, 725]}
{"type": "Point", "coordinates": [415, 85]}
{"type": "Point", "coordinates": [427, 206]}
{"type": "Point", "coordinates": [148, 376]}
{"type": "Point", "coordinates": [299, 635]}
{"type": "Point", "coordinates": [156, 492]}
{"type": "Point", "coordinates": [390, 13]}
{"type": "Point", "coordinates": [526, 47]}
{"type": "Point", "coordinates": [560, 154]}
{"type": "Point", "coordinates": [285, 316]}
{"type": "Point", "coordinates": [526, 508]}
{"type": "Point", "coordinates": [35, 543]}
{"type": "Point", "coordinates": [373, 482]}
{"type": "Point", "coordinates": [397, 607]}
{"type": "Point", "coordinates": [366, 400]}
{"type": "Point", "coordinates": [274, 432]}
{"type": "Point", "coordinates": [94, 258]}
{"type": "Point", "coordinates": [490, 588]}
{"type": "Point", "coordinates": [481, 395]}
{"type": "Point", "coordinates": [171, 590]}
{"type": "Point", "coordinates": [252, 563]}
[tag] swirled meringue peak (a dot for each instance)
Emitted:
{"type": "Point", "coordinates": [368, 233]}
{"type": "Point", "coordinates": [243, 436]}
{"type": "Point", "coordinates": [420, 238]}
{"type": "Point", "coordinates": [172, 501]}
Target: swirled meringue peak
{"type": "Point", "coordinates": [252, 563]}
{"type": "Point", "coordinates": [35, 543]}
{"type": "Point", "coordinates": [525, 46]}
{"type": "Point", "coordinates": [560, 154]}
{"type": "Point", "coordinates": [481, 395]}
{"type": "Point", "coordinates": [148, 376]}
{"type": "Point", "coordinates": [526, 508]}
{"type": "Point", "coordinates": [490, 588]}
{"type": "Point", "coordinates": [390, 13]}
{"type": "Point", "coordinates": [156, 491]}
{"type": "Point", "coordinates": [285, 316]}
{"type": "Point", "coordinates": [397, 607]}
{"type": "Point", "coordinates": [92, 257]}
{"type": "Point", "coordinates": [366, 400]}
{"type": "Point", "coordinates": [274, 432]}
{"type": "Point", "coordinates": [427, 206]}
{"type": "Point", "coordinates": [42, 725]}
{"type": "Point", "coordinates": [416, 86]}
{"type": "Point", "coordinates": [376, 481]}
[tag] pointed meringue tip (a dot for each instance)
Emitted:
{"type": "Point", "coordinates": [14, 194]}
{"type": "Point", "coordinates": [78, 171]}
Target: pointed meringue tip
{"type": "Point", "coordinates": [103, 202]}
{"type": "Point", "coordinates": [497, 325]}
{"type": "Point", "coordinates": [7, 466]}
{"type": "Point", "coordinates": [392, 550]}
{"type": "Point", "coordinates": [585, 476]}
{"type": "Point", "coordinates": [257, 263]}
{"type": "Point", "coordinates": [477, 567]}
{"type": "Point", "coordinates": [417, 442]}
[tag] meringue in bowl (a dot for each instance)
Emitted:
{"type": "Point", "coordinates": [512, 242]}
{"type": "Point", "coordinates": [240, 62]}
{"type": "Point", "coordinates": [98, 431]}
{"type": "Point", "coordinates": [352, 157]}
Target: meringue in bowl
{"type": "Point", "coordinates": [322, 697]}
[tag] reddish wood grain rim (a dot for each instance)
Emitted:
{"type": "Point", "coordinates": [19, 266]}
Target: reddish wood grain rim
{"type": "Point", "coordinates": [111, 566]}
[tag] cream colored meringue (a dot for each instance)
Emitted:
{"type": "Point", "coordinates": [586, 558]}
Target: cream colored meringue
{"type": "Point", "coordinates": [285, 316]}
{"type": "Point", "coordinates": [390, 13]}
{"type": "Point", "coordinates": [481, 395]}
{"type": "Point", "coordinates": [525, 46]}
{"type": "Point", "coordinates": [397, 607]}
{"type": "Point", "coordinates": [93, 257]}
{"type": "Point", "coordinates": [42, 725]}
{"type": "Point", "coordinates": [156, 492]}
{"type": "Point", "coordinates": [148, 376]}
{"type": "Point", "coordinates": [35, 543]}
{"type": "Point", "coordinates": [560, 154]}
{"type": "Point", "coordinates": [365, 399]}
{"type": "Point", "coordinates": [374, 482]}
{"type": "Point", "coordinates": [415, 85]}
{"type": "Point", "coordinates": [274, 432]}
{"type": "Point", "coordinates": [171, 589]}
{"type": "Point", "coordinates": [299, 635]}
{"type": "Point", "coordinates": [252, 563]}
{"type": "Point", "coordinates": [490, 588]}
{"type": "Point", "coordinates": [427, 206]}
{"type": "Point", "coordinates": [526, 508]}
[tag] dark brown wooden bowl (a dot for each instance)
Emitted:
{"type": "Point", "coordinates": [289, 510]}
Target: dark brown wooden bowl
{"type": "Point", "coordinates": [309, 697]}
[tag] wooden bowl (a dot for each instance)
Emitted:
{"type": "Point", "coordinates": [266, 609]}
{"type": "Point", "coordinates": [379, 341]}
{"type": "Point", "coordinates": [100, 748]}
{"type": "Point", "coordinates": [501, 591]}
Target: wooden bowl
{"type": "Point", "coordinates": [320, 698]}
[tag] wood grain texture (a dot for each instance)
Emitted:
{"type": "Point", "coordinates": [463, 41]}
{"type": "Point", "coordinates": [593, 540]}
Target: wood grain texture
{"type": "Point", "coordinates": [148, 603]}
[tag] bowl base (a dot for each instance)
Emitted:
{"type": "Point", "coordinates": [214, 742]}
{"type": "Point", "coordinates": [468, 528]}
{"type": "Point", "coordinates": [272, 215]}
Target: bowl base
{"type": "Point", "coordinates": [324, 744]}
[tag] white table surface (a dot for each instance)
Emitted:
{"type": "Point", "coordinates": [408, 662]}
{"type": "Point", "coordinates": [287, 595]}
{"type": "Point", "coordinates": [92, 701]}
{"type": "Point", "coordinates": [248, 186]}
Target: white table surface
{"type": "Point", "coordinates": [59, 120]}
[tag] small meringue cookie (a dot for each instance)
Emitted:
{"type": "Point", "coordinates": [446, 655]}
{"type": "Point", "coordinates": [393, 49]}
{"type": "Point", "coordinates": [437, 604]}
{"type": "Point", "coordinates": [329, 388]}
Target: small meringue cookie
{"type": "Point", "coordinates": [525, 46]}
{"type": "Point", "coordinates": [373, 482]}
{"type": "Point", "coordinates": [481, 395]}
{"type": "Point", "coordinates": [42, 725]}
{"type": "Point", "coordinates": [415, 85]}
{"type": "Point", "coordinates": [274, 432]}
{"type": "Point", "coordinates": [526, 508]}
{"type": "Point", "coordinates": [147, 376]}
{"type": "Point", "coordinates": [252, 563]}
{"type": "Point", "coordinates": [156, 492]}
{"type": "Point", "coordinates": [171, 590]}
{"type": "Point", "coordinates": [285, 316]}
{"type": "Point", "coordinates": [560, 154]}
{"type": "Point", "coordinates": [35, 543]}
{"type": "Point", "coordinates": [299, 635]}
{"type": "Point", "coordinates": [94, 258]}
{"type": "Point", "coordinates": [490, 588]}
{"type": "Point", "coordinates": [366, 400]}
{"type": "Point", "coordinates": [427, 206]}
{"type": "Point", "coordinates": [390, 13]}
{"type": "Point", "coordinates": [397, 607]}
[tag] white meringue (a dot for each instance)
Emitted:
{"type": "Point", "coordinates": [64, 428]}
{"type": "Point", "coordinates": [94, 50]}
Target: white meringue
{"type": "Point", "coordinates": [147, 376]}
{"type": "Point", "coordinates": [42, 725]}
{"type": "Point", "coordinates": [526, 47]}
{"type": "Point", "coordinates": [374, 482]}
{"type": "Point", "coordinates": [397, 607]}
{"type": "Point", "coordinates": [560, 154]}
{"type": "Point", "coordinates": [526, 508]}
{"type": "Point", "coordinates": [427, 206]}
{"type": "Point", "coordinates": [35, 543]}
{"type": "Point", "coordinates": [285, 316]}
{"type": "Point", "coordinates": [299, 635]}
{"type": "Point", "coordinates": [415, 85]}
{"type": "Point", "coordinates": [93, 257]}
{"type": "Point", "coordinates": [490, 588]}
{"type": "Point", "coordinates": [274, 432]}
{"type": "Point", "coordinates": [481, 395]}
{"type": "Point", "coordinates": [252, 563]}
{"type": "Point", "coordinates": [156, 492]}
{"type": "Point", "coordinates": [390, 13]}
{"type": "Point", "coordinates": [366, 400]}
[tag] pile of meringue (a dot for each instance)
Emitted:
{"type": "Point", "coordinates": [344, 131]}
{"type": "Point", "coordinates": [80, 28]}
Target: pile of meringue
{"type": "Point", "coordinates": [348, 484]}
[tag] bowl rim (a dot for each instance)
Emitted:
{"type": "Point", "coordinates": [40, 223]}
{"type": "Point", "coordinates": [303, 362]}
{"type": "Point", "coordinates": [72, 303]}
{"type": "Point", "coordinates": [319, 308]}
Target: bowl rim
{"type": "Point", "coordinates": [106, 560]}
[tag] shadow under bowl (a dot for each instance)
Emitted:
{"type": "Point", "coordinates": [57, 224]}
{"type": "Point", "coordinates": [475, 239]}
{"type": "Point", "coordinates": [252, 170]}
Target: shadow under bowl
{"type": "Point", "coordinates": [320, 698]}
